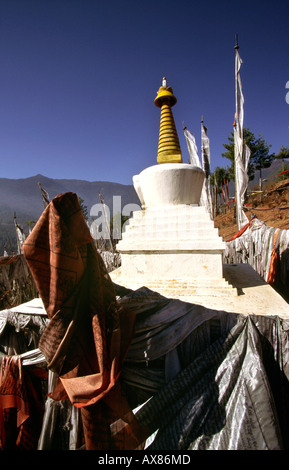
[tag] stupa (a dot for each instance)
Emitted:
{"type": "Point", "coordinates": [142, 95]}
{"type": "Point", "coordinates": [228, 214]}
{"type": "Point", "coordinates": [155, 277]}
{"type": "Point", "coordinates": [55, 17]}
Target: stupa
{"type": "Point", "coordinates": [170, 245]}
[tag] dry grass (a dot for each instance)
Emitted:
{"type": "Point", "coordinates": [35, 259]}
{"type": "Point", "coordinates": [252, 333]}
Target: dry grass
{"type": "Point", "coordinates": [270, 207]}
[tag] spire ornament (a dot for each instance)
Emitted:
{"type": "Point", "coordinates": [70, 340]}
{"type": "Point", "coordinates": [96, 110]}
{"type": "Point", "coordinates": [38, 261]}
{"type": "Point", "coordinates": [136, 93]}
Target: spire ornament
{"type": "Point", "coordinates": [169, 150]}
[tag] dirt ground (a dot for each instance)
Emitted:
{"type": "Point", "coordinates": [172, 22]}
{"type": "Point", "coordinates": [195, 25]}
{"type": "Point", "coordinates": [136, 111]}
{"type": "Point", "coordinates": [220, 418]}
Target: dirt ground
{"type": "Point", "coordinates": [271, 206]}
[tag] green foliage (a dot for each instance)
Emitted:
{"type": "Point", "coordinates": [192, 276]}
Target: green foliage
{"type": "Point", "coordinates": [284, 153]}
{"type": "Point", "coordinates": [116, 224]}
{"type": "Point", "coordinates": [260, 153]}
{"type": "Point", "coordinates": [220, 175]}
{"type": "Point", "coordinates": [83, 208]}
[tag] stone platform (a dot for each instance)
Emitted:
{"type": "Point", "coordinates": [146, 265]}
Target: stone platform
{"type": "Point", "coordinates": [241, 290]}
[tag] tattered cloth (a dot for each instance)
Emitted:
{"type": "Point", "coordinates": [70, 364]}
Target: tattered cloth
{"type": "Point", "coordinates": [204, 379]}
{"type": "Point", "coordinates": [88, 334]}
{"type": "Point", "coordinates": [21, 409]}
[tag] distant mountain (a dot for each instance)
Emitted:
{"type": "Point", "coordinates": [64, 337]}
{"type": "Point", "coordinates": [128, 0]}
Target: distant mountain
{"type": "Point", "coordinates": [269, 175]}
{"type": "Point", "coordinates": [23, 197]}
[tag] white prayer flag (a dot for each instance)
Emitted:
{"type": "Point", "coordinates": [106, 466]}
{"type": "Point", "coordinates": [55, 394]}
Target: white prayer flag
{"type": "Point", "coordinates": [205, 199]}
{"type": "Point", "coordinates": [206, 196]}
{"type": "Point", "coordinates": [206, 157]}
{"type": "Point", "coordinates": [192, 148]}
{"type": "Point", "coordinates": [242, 152]}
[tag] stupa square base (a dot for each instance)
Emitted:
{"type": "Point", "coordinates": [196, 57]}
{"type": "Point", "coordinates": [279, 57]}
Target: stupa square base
{"type": "Point", "coordinates": [159, 264]}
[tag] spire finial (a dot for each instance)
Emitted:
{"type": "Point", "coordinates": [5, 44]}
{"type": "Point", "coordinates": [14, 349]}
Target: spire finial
{"type": "Point", "coordinates": [169, 150]}
{"type": "Point", "coordinates": [236, 42]}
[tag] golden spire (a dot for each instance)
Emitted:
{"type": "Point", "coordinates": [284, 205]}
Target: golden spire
{"type": "Point", "coordinates": [169, 150]}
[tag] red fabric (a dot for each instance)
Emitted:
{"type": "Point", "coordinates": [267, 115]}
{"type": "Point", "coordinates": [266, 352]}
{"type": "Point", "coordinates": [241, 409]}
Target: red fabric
{"type": "Point", "coordinates": [241, 231]}
{"type": "Point", "coordinates": [273, 261]}
{"type": "Point", "coordinates": [9, 259]}
{"type": "Point", "coordinates": [88, 334]}
{"type": "Point", "coordinates": [21, 407]}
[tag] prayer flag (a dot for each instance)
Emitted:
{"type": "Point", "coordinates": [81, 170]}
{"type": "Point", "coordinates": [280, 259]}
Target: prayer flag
{"type": "Point", "coordinates": [242, 152]}
{"type": "Point", "coordinates": [206, 196]}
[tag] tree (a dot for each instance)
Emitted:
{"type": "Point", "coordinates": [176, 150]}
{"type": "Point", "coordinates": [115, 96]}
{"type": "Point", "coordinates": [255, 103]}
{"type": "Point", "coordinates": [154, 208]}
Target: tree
{"type": "Point", "coordinates": [83, 208]}
{"type": "Point", "coordinates": [117, 224]}
{"type": "Point", "coordinates": [260, 153]}
{"type": "Point", "coordinates": [220, 180]}
{"type": "Point", "coordinates": [282, 155]}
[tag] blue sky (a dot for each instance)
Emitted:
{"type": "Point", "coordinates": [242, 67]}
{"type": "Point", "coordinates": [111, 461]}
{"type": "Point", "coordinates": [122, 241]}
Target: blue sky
{"type": "Point", "coordinates": [78, 80]}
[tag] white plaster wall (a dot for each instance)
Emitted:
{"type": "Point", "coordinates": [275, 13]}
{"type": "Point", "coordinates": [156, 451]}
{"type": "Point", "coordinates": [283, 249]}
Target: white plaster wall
{"type": "Point", "coordinates": [169, 184]}
{"type": "Point", "coordinates": [170, 265]}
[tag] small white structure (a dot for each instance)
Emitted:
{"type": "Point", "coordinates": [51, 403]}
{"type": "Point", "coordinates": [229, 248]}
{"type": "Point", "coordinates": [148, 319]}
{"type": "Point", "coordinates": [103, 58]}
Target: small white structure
{"type": "Point", "coordinates": [172, 237]}
{"type": "Point", "coordinates": [171, 245]}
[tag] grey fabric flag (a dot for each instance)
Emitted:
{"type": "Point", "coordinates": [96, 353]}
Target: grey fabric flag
{"type": "Point", "coordinates": [206, 160]}
{"type": "Point", "coordinates": [192, 148]}
{"type": "Point", "coordinates": [205, 199]}
{"type": "Point", "coordinates": [242, 152]}
{"type": "Point", "coordinates": [206, 157]}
